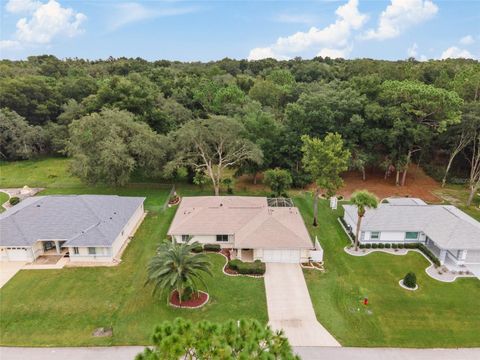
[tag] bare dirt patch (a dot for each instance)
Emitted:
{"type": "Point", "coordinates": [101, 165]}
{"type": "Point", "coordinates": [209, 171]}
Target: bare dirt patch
{"type": "Point", "coordinates": [418, 184]}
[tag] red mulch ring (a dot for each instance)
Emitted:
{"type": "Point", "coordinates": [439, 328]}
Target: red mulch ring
{"type": "Point", "coordinates": [418, 184]}
{"type": "Point", "coordinates": [197, 300]}
{"type": "Point", "coordinates": [174, 202]}
{"type": "Point", "coordinates": [226, 253]}
{"type": "Point", "coordinates": [230, 271]}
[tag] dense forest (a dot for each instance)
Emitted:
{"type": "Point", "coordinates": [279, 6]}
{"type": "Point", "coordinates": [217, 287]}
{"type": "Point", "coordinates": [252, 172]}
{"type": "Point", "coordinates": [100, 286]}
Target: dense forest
{"type": "Point", "coordinates": [117, 117]}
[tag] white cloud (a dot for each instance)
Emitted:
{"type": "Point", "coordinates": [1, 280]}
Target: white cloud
{"type": "Point", "coordinates": [49, 21]}
{"type": "Point", "coordinates": [454, 52]}
{"type": "Point", "coordinates": [334, 37]}
{"type": "Point", "coordinates": [400, 15]}
{"type": "Point", "coordinates": [412, 51]}
{"type": "Point", "coordinates": [467, 40]}
{"type": "Point", "coordinates": [127, 13]}
{"type": "Point", "coordinates": [335, 53]}
{"type": "Point", "coordinates": [22, 6]}
{"type": "Point", "coordinates": [9, 45]}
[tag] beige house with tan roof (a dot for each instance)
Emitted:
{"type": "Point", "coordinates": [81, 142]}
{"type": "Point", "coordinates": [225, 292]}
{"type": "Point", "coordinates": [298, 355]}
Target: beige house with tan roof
{"type": "Point", "coordinates": [253, 227]}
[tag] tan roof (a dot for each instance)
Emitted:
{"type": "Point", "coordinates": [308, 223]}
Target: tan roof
{"type": "Point", "coordinates": [250, 219]}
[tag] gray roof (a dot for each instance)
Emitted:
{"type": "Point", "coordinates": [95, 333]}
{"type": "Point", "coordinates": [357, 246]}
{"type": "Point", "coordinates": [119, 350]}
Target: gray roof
{"type": "Point", "coordinates": [447, 226]}
{"type": "Point", "coordinates": [81, 220]}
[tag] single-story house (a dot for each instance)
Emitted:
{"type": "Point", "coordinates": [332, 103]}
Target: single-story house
{"type": "Point", "coordinates": [452, 235]}
{"type": "Point", "coordinates": [88, 227]}
{"type": "Point", "coordinates": [254, 228]}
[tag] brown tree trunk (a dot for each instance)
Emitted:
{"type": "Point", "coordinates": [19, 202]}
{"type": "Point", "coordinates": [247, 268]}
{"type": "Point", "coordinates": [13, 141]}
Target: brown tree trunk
{"type": "Point", "coordinates": [357, 232]}
{"type": "Point", "coordinates": [473, 190]}
{"type": "Point", "coordinates": [216, 188]}
{"type": "Point", "coordinates": [315, 207]}
{"type": "Point", "coordinates": [404, 176]}
{"type": "Point", "coordinates": [255, 178]}
{"type": "Point", "coordinates": [397, 179]}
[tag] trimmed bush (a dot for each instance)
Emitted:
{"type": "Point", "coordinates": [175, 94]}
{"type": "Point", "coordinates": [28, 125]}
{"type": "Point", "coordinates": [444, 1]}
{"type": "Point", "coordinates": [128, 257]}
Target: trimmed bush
{"type": "Point", "coordinates": [394, 246]}
{"type": "Point", "coordinates": [211, 247]}
{"type": "Point", "coordinates": [14, 200]}
{"type": "Point", "coordinates": [411, 246]}
{"type": "Point", "coordinates": [198, 249]}
{"type": "Point", "coordinates": [247, 268]}
{"type": "Point", "coordinates": [362, 246]}
{"type": "Point", "coordinates": [368, 246]}
{"type": "Point", "coordinates": [388, 246]}
{"type": "Point", "coordinates": [410, 280]}
{"type": "Point", "coordinates": [374, 246]}
{"type": "Point", "coordinates": [401, 246]}
{"type": "Point", "coordinates": [429, 254]}
{"type": "Point", "coordinates": [381, 246]}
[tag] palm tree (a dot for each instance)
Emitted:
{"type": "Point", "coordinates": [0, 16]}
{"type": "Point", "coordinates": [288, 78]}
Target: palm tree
{"type": "Point", "coordinates": [176, 267]}
{"type": "Point", "coordinates": [362, 200]}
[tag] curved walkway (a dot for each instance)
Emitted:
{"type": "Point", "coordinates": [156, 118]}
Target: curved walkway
{"type": "Point", "coordinates": [290, 308]}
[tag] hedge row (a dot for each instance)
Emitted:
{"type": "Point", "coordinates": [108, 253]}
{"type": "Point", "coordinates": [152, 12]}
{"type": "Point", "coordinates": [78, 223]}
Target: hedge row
{"type": "Point", "coordinates": [247, 268]}
{"type": "Point", "coordinates": [418, 246]}
{"type": "Point", "coordinates": [207, 247]}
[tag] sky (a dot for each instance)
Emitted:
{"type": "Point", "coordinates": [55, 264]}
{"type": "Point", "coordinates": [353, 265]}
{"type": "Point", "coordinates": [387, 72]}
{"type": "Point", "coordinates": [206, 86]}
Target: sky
{"type": "Point", "coordinates": [212, 30]}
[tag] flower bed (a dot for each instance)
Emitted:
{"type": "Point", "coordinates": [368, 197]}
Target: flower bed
{"type": "Point", "coordinates": [256, 268]}
{"type": "Point", "coordinates": [197, 300]}
{"type": "Point", "coordinates": [174, 200]}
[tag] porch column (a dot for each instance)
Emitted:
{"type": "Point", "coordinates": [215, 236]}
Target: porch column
{"type": "Point", "coordinates": [57, 246]}
{"type": "Point", "coordinates": [239, 254]}
{"type": "Point", "coordinates": [443, 255]}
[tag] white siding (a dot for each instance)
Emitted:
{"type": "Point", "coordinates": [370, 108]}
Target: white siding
{"type": "Point", "coordinates": [473, 257]}
{"type": "Point", "coordinates": [209, 239]}
{"type": "Point", "coordinates": [127, 230]}
{"type": "Point", "coordinates": [350, 221]}
{"type": "Point", "coordinates": [390, 236]}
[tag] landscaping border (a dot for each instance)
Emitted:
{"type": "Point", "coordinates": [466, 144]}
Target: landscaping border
{"type": "Point", "coordinates": [406, 287]}
{"type": "Point", "coordinates": [233, 275]}
{"type": "Point", "coordinates": [188, 307]}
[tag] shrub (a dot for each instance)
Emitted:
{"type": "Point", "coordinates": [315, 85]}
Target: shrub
{"type": "Point", "coordinates": [198, 249]}
{"type": "Point", "coordinates": [394, 246]}
{"type": "Point", "coordinates": [388, 246]}
{"type": "Point", "coordinates": [410, 280]}
{"type": "Point", "coordinates": [14, 200]}
{"type": "Point", "coordinates": [211, 247]}
{"type": "Point", "coordinates": [401, 246]}
{"type": "Point", "coordinates": [381, 246]}
{"type": "Point", "coordinates": [362, 246]}
{"type": "Point", "coordinates": [411, 246]}
{"type": "Point", "coordinates": [368, 246]}
{"type": "Point", "coordinates": [247, 268]}
{"type": "Point", "coordinates": [374, 246]}
{"type": "Point", "coordinates": [429, 254]}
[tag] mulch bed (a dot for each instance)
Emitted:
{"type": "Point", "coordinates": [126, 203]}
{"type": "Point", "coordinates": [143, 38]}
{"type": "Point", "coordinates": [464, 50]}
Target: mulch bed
{"type": "Point", "coordinates": [176, 201]}
{"type": "Point", "coordinates": [199, 299]}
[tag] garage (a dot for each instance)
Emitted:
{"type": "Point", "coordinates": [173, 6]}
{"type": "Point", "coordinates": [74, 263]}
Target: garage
{"type": "Point", "coordinates": [18, 254]}
{"type": "Point", "coordinates": [282, 256]}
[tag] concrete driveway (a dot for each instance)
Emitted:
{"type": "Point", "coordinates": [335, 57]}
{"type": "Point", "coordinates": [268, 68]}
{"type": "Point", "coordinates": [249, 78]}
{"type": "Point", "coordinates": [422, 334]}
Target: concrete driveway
{"type": "Point", "coordinates": [8, 269]}
{"type": "Point", "coordinates": [290, 307]}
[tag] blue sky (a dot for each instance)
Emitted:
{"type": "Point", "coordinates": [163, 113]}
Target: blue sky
{"type": "Point", "coordinates": [211, 30]}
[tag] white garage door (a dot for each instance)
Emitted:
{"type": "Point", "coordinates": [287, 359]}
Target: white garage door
{"type": "Point", "coordinates": [281, 256]}
{"type": "Point", "coordinates": [18, 254]}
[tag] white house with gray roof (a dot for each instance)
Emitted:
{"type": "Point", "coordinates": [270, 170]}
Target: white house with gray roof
{"type": "Point", "coordinates": [88, 227]}
{"type": "Point", "coordinates": [452, 235]}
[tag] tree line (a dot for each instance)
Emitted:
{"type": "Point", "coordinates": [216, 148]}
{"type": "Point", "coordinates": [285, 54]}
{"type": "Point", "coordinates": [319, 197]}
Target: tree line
{"type": "Point", "coordinates": [117, 117]}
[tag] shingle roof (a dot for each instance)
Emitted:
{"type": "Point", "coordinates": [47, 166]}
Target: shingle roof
{"type": "Point", "coordinates": [81, 220]}
{"type": "Point", "coordinates": [250, 219]}
{"type": "Point", "coordinates": [447, 226]}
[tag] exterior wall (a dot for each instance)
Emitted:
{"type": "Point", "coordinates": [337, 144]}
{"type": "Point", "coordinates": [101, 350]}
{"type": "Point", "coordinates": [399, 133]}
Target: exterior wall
{"type": "Point", "coordinates": [127, 230]}
{"type": "Point", "coordinates": [26, 251]}
{"type": "Point", "coordinates": [390, 236]}
{"type": "Point", "coordinates": [103, 254]}
{"type": "Point", "coordinates": [37, 249]}
{"type": "Point", "coordinates": [209, 239]}
{"type": "Point", "coordinates": [350, 221]}
{"type": "Point", "coordinates": [472, 257]}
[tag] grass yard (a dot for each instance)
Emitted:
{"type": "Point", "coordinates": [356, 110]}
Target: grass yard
{"type": "Point", "coordinates": [3, 199]}
{"type": "Point", "coordinates": [437, 315]}
{"type": "Point", "coordinates": [63, 307]}
{"type": "Point", "coordinates": [457, 195]}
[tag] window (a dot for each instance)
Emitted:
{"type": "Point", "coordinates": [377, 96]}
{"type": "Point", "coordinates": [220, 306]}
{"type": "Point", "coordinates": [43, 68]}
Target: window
{"type": "Point", "coordinates": [222, 238]}
{"type": "Point", "coordinates": [75, 250]}
{"type": "Point", "coordinates": [410, 235]}
{"type": "Point", "coordinates": [92, 250]}
{"type": "Point", "coordinates": [374, 235]}
{"type": "Point", "coordinates": [185, 238]}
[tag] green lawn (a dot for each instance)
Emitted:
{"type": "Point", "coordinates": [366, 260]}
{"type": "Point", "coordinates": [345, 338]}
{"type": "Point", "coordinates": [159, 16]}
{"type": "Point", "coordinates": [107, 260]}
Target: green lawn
{"type": "Point", "coordinates": [63, 307]}
{"type": "Point", "coordinates": [457, 195]}
{"type": "Point", "coordinates": [437, 315]}
{"type": "Point", "coordinates": [3, 199]}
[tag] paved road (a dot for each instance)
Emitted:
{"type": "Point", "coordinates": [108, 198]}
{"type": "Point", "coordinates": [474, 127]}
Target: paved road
{"type": "Point", "coordinates": [8, 269]}
{"type": "Point", "coordinates": [349, 353]}
{"type": "Point", "coordinates": [290, 307]}
{"type": "Point", "coordinates": [307, 353]}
